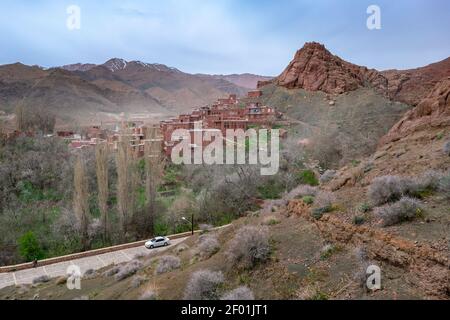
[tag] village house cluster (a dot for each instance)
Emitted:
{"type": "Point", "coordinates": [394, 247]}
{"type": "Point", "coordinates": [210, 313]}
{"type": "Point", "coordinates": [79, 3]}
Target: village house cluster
{"type": "Point", "coordinates": [228, 113]}
{"type": "Point", "coordinates": [224, 114]}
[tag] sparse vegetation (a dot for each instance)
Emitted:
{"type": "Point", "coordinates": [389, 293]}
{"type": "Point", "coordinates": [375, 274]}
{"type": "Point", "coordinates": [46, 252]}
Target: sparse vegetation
{"type": "Point", "coordinates": [403, 210]}
{"type": "Point", "coordinates": [240, 293]}
{"type": "Point", "coordinates": [364, 207]}
{"type": "Point", "coordinates": [307, 177]}
{"type": "Point", "coordinates": [167, 264]}
{"type": "Point", "coordinates": [204, 285]}
{"type": "Point", "coordinates": [180, 248]}
{"type": "Point", "coordinates": [127, 270]}
{"type": "Point", "coordinates": [137, 281]}
{"type": "Point", "coordinates": [324, 200]}
{"type": "Point", "coordinates": [358, 220]}
{"type": "Point", "coordinates": [446, 148]}
{"type": "Point", "coordinates": [304, 191]}
{"type": "Point", "coordinates": [249, 247]}
{"type": "Point", "coordinates": [149, 295]}
{"type": "Point", "coordinates": [328, 250]}
{"type": "Point", "coordinates": [208, 245]}
{"type": "Point", "coordinates": [41, 279]}
{"type": "Point", "coordinates": [271, 221]}
{"type": "Point", "coordinates": [444, 185]}
{"type": "Point", "coordinates": [308, 200]}
{"type": "Point", "coordinates": [387, 189]}
{"type": "Point", "coordinates": [327, 176]}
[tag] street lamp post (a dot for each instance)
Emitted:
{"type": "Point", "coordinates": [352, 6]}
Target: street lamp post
{"type": "Point", "coordinates": [191, 222]}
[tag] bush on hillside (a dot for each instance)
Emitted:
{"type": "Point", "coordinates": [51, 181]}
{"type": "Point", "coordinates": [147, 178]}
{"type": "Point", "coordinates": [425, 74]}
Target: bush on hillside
{"type": "Point", "coordinates": [249, 247]}
{"type": "Point", "coordinates": [137, 281]}
{"type": "Point", "coordinates": [304, 191]}
{"type": "Point", "coordinates": [388, 189]}
{"type": "Point", "coordinates": [128, 269]}
{"type": "Point", "coordinates": [391, 188]}
{"type": "Point", "coordinates": [149, 295]}
{"type": "Point", "coordinates": [208, 245]}
{"type": "Point", "coordinates": [29, 247]}
{"type": "Point", "coordinates": [41, 279]}
{"type": "Point", "coordinates": [324, 199]}
{"type": "Point", "coordinates": [307, 177]}
{"type": "Point", "coordinates": [327, 176]}
{"type": "Point", "coordinates": [167, 264]}
{"type": "Point", "coordinates": [240, 293]}
{"type": "Point", "coordinates": [444, 185]}
{"type": "Point", "coordinates": [446, 148]}
{"type": "Point", "coordinates": [203, 285]}
{"type": "Point", "coordinates": [403, 210]}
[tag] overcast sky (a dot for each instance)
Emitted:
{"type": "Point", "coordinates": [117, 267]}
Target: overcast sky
{"type": "Point", "coordinates": [224, 36]}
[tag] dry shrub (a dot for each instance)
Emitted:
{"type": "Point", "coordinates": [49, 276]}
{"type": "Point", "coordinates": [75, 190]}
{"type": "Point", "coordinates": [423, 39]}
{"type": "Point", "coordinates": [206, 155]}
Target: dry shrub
{"type": "Point", "coordinates": [128, 269]}
{"type": "Point", "coordinates": [391, 188]}
{"type": "Point", "coordinates": [446, 148]}
{"type": "Point", "coordinates": [249, 247]}
{"type": "Point", "coordinates": [41, 279]}
{"type": "Point", "coordinates": [149, 295]}
{"type": "Point", "coordinates": [327, 176]}
{"type": "Point", "coordinates": [204, 285]}
{"type": "Point", "coordinates": [111, 271]}
{"type": "Point", "coordinates": [240, 293]}
{"type": "Point", "coordinates": [444, 185]}
{"type": "Point", "coordinates": [180, 248]}
{"type": "Point", "coordinates": [324, 199]}
{"type": "Point", "coordinates": [403, 210]}
{"type": "Point", "coordinates": [271, 221]}
{"type": "Point", "coordinates": [137, 281]}
{"type": "Point", "coordinates": [208, 245]}
{"type": "Point", "coordinates": [167, 264]}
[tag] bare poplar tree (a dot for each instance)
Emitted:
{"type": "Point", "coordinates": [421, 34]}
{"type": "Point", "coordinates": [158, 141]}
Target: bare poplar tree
{"type": "Point", "coordinates": [101, 159]}
{"type": "Point", "coordinates": [81, 199]}
{"type": "Point", "coordinates": [20, 118]}
{"type": "Point", "coordinates": [128, 178]}
{"type": "Point", "coordinates": [154, 166]}
{"type": "Point", "coordinates": [122, 160]}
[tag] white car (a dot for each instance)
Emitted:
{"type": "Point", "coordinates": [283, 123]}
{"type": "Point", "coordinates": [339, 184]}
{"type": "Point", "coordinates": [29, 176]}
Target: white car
{"type": "Point", "coordinates": [157, 242]}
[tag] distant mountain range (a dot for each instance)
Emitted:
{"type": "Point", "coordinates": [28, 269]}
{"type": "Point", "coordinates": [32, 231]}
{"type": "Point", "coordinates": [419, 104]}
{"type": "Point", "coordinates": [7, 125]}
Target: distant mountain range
{"type": "Point", "coordinates": [86, 93]}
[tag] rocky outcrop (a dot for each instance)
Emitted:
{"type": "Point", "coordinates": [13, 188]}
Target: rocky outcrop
{"type": "Point", "coordinates": [314, 68]}
{"type": "Point", "coordinates": [433, 111]}
{"type": "Point", "coordinates": [412, 86]}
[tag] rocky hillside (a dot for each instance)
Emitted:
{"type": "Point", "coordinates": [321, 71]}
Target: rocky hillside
{"type": "Point", "coordinates": [349, 108]}
{"type": "Point", "coordinates": [314, 68]}
{"type": "Point", "coordinates": [431, 112]}
{"type": "Point", "coordinates": [411, 86]}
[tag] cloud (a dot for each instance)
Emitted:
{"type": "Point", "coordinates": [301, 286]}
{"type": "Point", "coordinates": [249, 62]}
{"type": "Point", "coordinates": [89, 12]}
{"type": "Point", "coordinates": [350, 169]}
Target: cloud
{"type": "Point", "coordinates": [223, 36]}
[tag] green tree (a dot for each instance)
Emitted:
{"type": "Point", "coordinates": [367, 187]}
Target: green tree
{"type": "Point", "coordinates": [29, 247]}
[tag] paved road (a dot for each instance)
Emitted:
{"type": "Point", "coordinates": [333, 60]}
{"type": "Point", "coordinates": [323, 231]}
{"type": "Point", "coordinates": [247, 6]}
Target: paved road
{"type": "Point", "coordinates": [94, 262]}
